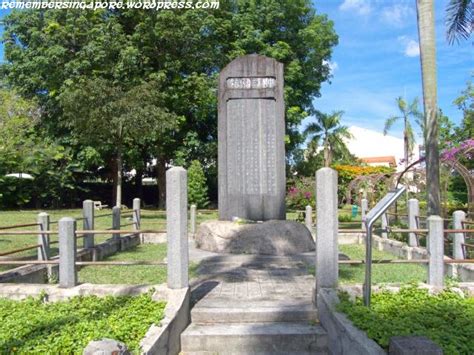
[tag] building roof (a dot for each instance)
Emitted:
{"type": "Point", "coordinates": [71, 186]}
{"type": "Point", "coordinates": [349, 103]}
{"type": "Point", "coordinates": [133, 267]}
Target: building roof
{"type": "Point", "coordinates": [390, 160]}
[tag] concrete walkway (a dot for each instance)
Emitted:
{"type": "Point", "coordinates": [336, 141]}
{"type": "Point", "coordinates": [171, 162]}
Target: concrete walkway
{"type": "Point", "coordinates": [247, 304]}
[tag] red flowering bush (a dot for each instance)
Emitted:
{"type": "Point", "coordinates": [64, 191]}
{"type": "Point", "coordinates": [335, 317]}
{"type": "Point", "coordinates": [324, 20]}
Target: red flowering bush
{"type": "Point", "coordinates": [300, 193]}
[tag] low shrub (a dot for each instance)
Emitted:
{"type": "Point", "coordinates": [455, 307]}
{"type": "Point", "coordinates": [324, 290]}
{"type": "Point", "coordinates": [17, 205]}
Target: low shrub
{"type": "Point", "coordinates": [33, 326]}
{"type": "Point", "coordinates": [345, 218]}
{"type": "Point", "coordinates": [447, 318]}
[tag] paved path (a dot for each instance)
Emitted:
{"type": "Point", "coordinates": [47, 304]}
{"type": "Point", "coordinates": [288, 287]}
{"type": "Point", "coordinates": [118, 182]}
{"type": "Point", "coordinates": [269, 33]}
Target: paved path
{"type": "Point", "coordinates": [248, 304]}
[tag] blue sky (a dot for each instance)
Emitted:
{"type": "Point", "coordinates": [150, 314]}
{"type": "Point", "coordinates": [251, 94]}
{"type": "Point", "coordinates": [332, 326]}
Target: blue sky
{"type": "Point", "coordinates": [377, 59]}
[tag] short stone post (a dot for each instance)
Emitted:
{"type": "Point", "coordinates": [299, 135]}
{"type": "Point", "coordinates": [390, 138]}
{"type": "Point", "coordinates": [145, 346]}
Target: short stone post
{"type": "Point", "coordinates": [43, 239]}
{"type": "Point", "coordinates": [413, 214]}
{"type": "Point", "coordinates": [193, 210]}
{"type": "Point", "coordinates": [116, 221]}
{"type": "Point", "coordinates": [458, 218]}
{"type": "Point", "coordinates": [67, 252]}
{"type": "Point", "coordinates": [177, 227]}
{"type": "Point", "coordinates": [308, 218]}
{"type": "Point", "coordinates": [364, 207]}
{"type": "Point", "coordinates": [435, 251]}
{"type": "Point", "coordinates": [137, 213]}
{"type": "Point", "coordinates": [385, 225]}
{"type": "Point", "coordinates": [326, 229]}
{"type": "Point", "coordinates": [88, 223]}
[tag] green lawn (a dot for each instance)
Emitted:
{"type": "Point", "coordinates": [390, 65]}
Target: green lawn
{"type": "Point", "coordinates": [381, 273]}
{"type": "Point", "coordinates": [35, 327]}
{"type": "Point", "coordinates": [136, 274]}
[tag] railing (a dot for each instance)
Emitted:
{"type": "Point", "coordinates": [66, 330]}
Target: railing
{"type": "Point", "coordinates": [88, 235]}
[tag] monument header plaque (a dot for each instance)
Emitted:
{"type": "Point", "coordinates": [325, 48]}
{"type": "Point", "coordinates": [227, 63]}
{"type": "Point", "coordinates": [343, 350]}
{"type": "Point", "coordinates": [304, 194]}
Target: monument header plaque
{"type": "Point", "coordinates": [251, 140]}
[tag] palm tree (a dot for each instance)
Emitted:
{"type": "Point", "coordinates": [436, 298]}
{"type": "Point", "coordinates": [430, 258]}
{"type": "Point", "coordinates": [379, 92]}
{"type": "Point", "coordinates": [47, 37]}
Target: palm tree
{"type": "Point", "coordinates": [329, 130]}
{"type": "Point", "coordinates": [426, 33]}
{"type": "Point", "coordinates": [459, 20]}
{"type": "Point", "coordinates": [407, 111]}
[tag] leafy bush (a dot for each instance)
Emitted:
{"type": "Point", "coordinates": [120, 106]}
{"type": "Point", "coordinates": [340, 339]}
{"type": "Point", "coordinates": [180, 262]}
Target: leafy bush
{"type": "Point", "coordinates": [345, 218]}
{"type": "Point", "coordinates": [197, 186]}
{"type": "Point", "coordinates": [300, 193]}
{"type": "Point", "coordinates": [446, 318]}
{"type": "Point", "coordinates": [33, 326]}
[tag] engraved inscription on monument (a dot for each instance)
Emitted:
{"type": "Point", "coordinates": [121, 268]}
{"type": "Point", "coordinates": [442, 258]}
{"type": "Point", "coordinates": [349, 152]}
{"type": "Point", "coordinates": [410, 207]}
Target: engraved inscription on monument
{"type": "Point", "coordinates": [251, 140]}
{"type": "Point", "coordinates": [251, 83]}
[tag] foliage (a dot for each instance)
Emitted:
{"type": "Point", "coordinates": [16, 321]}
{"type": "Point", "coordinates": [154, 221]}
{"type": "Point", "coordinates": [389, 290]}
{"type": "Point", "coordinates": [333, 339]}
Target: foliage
{"type": "Point", "coordinates": [59, 55]}
{"type": "Point", "coordinates": [344, 218]}
{"type": "Point", "coordinates": [347, 173]}
{"type": "Point", "coordinates": [35, 327]}
{"type": "Point", "coordinates": [329, 130]}
{"type": "Point", "coordinates": [407, 111]}
{"type": "Point", "coordinates": [197, 188]}
{"type": "Point", "coordinates": [300, 193]}
{"type": "Point", "coordinates": [460, 17]}
{"type": "Point", "coordinates": [446, 318]}
{"type": "Point", "coordinates": [26, 149]}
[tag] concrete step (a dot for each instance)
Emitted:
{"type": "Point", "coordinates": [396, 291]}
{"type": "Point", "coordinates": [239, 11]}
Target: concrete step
{"type": "Point", "coordinates": [254, 338]}
{"type": "Point", "coordinates": [255, 312]}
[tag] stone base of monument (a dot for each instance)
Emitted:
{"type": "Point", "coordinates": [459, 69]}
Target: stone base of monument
{"type": "Point", "coordinates": [267, 238]}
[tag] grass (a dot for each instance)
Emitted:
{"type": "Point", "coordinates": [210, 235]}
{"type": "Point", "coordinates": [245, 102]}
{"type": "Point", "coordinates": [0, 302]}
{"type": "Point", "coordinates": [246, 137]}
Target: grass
{"type": "Point", "coordinates": [381, 273]}
{"type": "Point", "coordinates": [35, 327]}
{"type": "Point", "coordinates": [446, 318]}
{"type": "Point", "coordinates": [136, 274]}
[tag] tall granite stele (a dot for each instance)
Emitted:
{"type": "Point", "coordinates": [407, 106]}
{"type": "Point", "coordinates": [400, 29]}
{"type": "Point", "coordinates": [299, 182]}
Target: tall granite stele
{"type": "Point", "coordinates": [251, 140]}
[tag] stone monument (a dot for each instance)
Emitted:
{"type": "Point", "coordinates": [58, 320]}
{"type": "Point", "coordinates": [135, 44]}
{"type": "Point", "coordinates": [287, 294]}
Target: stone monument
{"type": "Point", "coordinates": [252, 183]}
{"type": "Point", "coordinates": [251, 140]}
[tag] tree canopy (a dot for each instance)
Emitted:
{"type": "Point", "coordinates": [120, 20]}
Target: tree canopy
{"type": "Point", "coordinates": [56, 56]}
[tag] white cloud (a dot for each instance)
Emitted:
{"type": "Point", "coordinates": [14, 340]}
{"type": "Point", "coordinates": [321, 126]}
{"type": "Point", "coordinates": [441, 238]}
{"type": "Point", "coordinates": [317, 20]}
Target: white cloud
{"type": "Point", "coordinates": [362, 7]}
{"type": "Point", "coordinates": [397, 15]}
{"type": "Point", "coordinates": [333, 66]}
{"type": "Point", "coordinates": [411, 47]}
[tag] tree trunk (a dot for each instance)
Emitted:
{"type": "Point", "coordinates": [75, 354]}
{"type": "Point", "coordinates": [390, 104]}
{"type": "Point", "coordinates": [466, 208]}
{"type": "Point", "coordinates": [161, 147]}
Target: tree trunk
{"type": "Point", "coordinates": [161, 180]}
{"type": "Point", "coordinates": [118, 193]}
{"type": "Point", "coordinates": [326, 154]}
{"type": "Point", "coordinates": [139, 184]}
{"type": "Point", "coordinates": [426, 33]}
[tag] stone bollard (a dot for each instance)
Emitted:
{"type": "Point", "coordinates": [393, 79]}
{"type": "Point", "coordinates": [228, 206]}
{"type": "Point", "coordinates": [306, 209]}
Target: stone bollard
{"type": "Point", "coordinates": [385, 225]}
{"type": "Point", "coordinates": [137, 218]}
{"type": "Point", "coordinates": [413, 214]}
{"type": "Point", "coordinates": [458, 218]}
{"type": "Point", "coordinates": [43, 239]}
{"type": "Point", "coordinates": [435, 251]}
{"type": "Point", "coordinates": [67, 252]}
{"type": "Point", "coordinates": [193, 210]}
{"type": "Point", "coordinates": [88, 223]}
{"type": "Point", "coordinates": [177, 227]}
{"type": "Point", "coordinates": [326, 229]}
{"type": "Point", "coordinates": [308, 218]}
{"type": "Point", "coordinates": [364, 208]}
{"type": "Point", "coordinates": [116, 221]}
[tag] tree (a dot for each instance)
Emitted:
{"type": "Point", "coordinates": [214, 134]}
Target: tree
{"type": "Point", "coordinates": [24, 149]}
{"type": "Point", "coordinates": [460, 19]}
{"type": "Point", "coordinates": [426, 33]}
{"type": "Point", "coordinates": [183, 49]}
{"type": "Point", "coordinates": [106, 115]}
{"type": "Point", "coordinates": [329, 130]}
{"type": "Point", "coordinates": [197, 187]}
{"type": "Point", "coordinates": [407, 111]}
